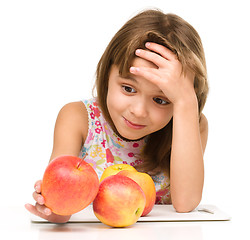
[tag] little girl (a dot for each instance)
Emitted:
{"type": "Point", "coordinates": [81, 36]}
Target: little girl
{"type": "Point", "coordinates": [151, 87]}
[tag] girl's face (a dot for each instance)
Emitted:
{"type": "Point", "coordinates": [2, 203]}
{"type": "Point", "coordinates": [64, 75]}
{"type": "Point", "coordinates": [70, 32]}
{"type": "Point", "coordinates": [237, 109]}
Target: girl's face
{"type": "Point", "coordinates": [137, 107]}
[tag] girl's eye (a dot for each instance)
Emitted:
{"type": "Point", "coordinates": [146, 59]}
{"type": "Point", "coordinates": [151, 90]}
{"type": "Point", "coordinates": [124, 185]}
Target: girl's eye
{"type": "Point", "coordinates": [160, 101]}
{"type": "Point", "coordinates": [129, 89]}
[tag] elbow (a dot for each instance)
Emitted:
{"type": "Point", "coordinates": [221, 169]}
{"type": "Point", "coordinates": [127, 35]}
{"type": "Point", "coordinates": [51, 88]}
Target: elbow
{"type": "Point", "coordinates": [185, 206]}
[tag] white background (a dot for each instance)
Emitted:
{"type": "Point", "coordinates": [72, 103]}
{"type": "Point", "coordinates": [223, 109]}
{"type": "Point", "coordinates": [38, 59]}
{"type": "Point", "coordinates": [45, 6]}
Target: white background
{"type": "Point", "coordinates": [48, 54]}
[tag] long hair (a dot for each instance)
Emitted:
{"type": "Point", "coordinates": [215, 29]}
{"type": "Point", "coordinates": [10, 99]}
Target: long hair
{"type": "Point", "coordinates": [182, 39]}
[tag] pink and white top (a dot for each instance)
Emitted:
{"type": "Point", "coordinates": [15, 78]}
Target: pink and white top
{"type": "Point", "coordinates": [105, 148]}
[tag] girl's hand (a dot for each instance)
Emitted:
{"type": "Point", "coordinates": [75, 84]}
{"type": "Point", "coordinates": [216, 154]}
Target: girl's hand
{"type": "Point", "coordinates": [167, 75]}
{"type": "Point", "coordinates": [40, 210]}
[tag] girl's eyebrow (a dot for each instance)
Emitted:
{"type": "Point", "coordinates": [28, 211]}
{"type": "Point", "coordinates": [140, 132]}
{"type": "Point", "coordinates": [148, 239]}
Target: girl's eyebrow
{"type": "Point", "coordinates": [129, 77]}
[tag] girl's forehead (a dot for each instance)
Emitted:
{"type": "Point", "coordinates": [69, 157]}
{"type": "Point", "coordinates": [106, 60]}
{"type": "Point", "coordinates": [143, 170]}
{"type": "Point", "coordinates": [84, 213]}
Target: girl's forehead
{"type": "Point", "coordinates": [140, 62]}
{"type": "Point", "coordinates": [143, 84]}
{"type": "Point", "coordinates": [124, 67]}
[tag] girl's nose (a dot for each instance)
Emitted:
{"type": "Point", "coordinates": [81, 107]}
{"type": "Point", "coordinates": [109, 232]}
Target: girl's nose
{"type": "Point", "coordinates": [139, 109]}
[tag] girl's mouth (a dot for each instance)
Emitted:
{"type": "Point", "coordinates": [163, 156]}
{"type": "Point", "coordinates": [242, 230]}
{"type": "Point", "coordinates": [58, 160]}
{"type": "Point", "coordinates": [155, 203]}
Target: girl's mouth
{"type": "Point", "coordinates": [133, 125]}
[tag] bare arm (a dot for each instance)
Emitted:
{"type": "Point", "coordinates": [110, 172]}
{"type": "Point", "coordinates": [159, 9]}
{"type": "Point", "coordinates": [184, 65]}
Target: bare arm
{"type": "Point", "coordinates": [189, 136]}
{"type": "Point", "coordinates": [186, 166]}
{"type": "Point", "coordinates": [70, 131]}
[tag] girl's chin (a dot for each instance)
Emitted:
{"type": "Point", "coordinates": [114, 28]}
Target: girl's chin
{"type": "Point", "coordinates": [130, 137]}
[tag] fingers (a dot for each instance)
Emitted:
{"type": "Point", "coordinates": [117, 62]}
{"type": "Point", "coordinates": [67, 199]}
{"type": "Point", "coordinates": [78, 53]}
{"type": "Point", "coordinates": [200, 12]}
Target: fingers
{"type": "Point", "coordinates": [162, 50]}
{"type": "Point", "coordinates": [147, 73]}
{"type": "Point", "coordinates": [159, 55]}
{"type": "Point", "coordinates": [42, 209]}
{"type": "Point", "coordinates": [38, 198]}
{"type": "Point", "coordinates": [42, 212]}
{"type": "Point", "coordinates": [158, 60]}
{"type": "Point", "coordinates": [39, 209]}
{"type": "Point", "coordinates": [37, 194]}
{"type": "Point", "coordinates": [38, 185]}
{"type": "Point", "coordinates": [32, 209]}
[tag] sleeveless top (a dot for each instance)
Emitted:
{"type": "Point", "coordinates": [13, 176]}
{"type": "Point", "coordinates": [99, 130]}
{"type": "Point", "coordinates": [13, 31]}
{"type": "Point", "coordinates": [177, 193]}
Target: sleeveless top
{"type": "Point", "coordinates": [105, 148]}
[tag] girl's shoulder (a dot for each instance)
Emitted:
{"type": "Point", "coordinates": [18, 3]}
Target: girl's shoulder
{"type": "Point", "coordinates": [76, 115]}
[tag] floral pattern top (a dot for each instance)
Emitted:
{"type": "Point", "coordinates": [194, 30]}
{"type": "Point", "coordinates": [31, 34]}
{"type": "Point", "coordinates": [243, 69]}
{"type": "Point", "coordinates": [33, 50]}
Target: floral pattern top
{"type": "Point", "coordinates": [105, 148]}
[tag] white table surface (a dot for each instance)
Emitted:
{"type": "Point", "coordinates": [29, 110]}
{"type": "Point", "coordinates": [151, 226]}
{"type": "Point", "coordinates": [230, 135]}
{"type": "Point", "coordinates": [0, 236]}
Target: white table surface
{"type": "Point", "coordinates": [16, 224]}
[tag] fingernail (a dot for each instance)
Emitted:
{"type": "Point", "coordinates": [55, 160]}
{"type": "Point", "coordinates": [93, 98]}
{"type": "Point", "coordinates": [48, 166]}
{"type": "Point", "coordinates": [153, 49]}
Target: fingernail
{"type": "Point", "coordinates": [47, 211]}
{"type": "Point", "coordinates": [40, 200]}
{"type": "Point", "coordinates": [26, 206]}
{"type": "Point", "coordinates": [138, 51]}
{"type": "Point", "coordinates": [147, 44]}
{"type": "Point", "coordinates": [134, 69]}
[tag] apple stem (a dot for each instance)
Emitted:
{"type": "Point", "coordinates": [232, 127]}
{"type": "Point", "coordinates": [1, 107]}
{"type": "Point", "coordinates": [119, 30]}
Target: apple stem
{"type": "Point", "coordinates": [85, 156]}
{"type": "Point", "coordinates": [79, 164]}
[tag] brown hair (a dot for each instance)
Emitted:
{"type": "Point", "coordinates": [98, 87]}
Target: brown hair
{"type": "Point", "coordinates": [172, 32]}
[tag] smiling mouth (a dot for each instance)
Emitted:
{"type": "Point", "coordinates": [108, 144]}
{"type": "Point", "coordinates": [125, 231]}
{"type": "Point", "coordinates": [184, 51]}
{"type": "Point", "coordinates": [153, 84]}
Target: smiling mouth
{"type": "Point", "coordinates": [133, 125]}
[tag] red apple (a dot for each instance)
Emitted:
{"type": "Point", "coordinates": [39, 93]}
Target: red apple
{"type": "Point", "coordinates": [69, 185]}
{"type": "Point", "coordinates": [119, 202]}
{"type": "Point", "coordinates": [147, 184]}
